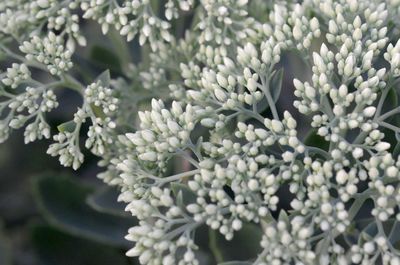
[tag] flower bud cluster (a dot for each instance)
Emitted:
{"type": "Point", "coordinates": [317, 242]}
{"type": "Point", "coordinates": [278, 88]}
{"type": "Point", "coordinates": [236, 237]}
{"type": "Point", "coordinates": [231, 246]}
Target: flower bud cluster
{"type": "Point", "coordinates": [101, 97]}
{"type": "Point", "coordinates": [292, 27]}
{"type": "Point", "coordinates": [25, 18]}
{"type": "Point", "coordinates": [64, 21]}
{"type": "Point", "coordinates": [215, 148]}
{"type": "Point", "coordinates": [49, 51]}
{"type": "Point", "coordinates": [392, 55]}
{"type": "Point", "coordinates": [100, 107]}
{"type": "Point", "coordinates": [16, 74]}
{"type": "Point", "coordinates": [33, 103]}
{"type": "Point", "coordinates": [265, 154]}
{"type": "Point", "coordinates": [134, 17]}
{"type": "Point", "coordinates": [163, 131]}
{"type": "Point", "coordinates": [66, 147]}
{"type": "Point", "coordinates": [285, 242]}
{"type": "Point", "coordinates": [164, 241]}
{"type": "Point", "coordinates": [366, 252]}
{"type": "Point", "coordinates": [226, 21]}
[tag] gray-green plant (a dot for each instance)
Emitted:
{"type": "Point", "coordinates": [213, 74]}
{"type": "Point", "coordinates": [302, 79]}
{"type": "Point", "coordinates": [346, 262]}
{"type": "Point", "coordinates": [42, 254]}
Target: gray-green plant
{"type": "Point", "coordinates": [217, 147]}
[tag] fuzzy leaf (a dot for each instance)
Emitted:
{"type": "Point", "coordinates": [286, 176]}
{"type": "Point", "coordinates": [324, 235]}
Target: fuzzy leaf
{"type": "Point", "coordinates": [53, 247]}
{"type": "Point", "coordinates": [235, 249]}
{"type": "Point", "coordinates": [104, 57]}
{"type": "Point", "coordinates": [105, 78]}
{"type": "Point", "coordinates": [105, 200]}
{"type": "Point", "coordinates": [276, 84]}
{"type": "Point", "coordinates": [275, 87]}
{"type": "Point", "coordinates": [62, 202]}
{"type": "Point", "coordinates": [283, 216]}
{"type": "Point", "coordinates": [183, 194]}
{"type": "Point", "coordinates": [68, 126]}
{"type": "Point", "coordinates": [313, 139]}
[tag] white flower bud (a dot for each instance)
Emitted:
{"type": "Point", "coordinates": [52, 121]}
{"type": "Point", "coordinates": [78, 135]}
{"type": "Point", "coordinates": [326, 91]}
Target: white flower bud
{"type": "Point", "coordinates": [276, 126]}
{"type": "Point", "coordinates": [349, 64]}
{"type": "Point", "coordinates": [382, 146]}
{"type": "Point", "coordinates": [253, 184]}
{"type": "Point", "coordinates": [341, 177]}
{"type": "Point", "coordinates": [314, 24]}
{"type": "Point", "coordinates": [220, 95]}
{"type": "Point", "coordinates": [222, 81]}
{"type": "Point", "coordinates": [357, 152]}
{"type": "Point", "coordinates": [237, 225]}
{"type": "Point", "coordinates": [148, 156]}
{"type": "Point", "coordinates": [369, 111]}
{"type": "Point", "coordinates": [392, 171]}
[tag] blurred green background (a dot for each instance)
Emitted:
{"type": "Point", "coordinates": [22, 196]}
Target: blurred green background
{"type": "Point", "coordinates": [52, 215]}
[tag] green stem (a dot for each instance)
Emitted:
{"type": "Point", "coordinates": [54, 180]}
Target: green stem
{"type": "Point", "coordinates": [381, 101]}
{"type": "Point", "coordinates": [179, 176]}
{"type": "Point", "coordinates": [72, 83]}
{"type": "Point", "coordinates": [389, 126]}
{"type": "Point", "coordinates": [319, 151]}
{"type": "Point", "coordinates": [265, 88]}
{"type": "Point", "coordinates": [388, 114]}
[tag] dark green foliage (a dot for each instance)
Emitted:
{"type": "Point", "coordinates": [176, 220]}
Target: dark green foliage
{"type": "Point", "coordinates": [54, 247]}
{"type": "Point", "coordinates": [62, 201]}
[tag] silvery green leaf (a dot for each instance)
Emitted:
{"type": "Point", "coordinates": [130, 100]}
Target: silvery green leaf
{"type": "Point", "coordinates": [183, 194]}
{"type": "Point", "coordinates": [53, 246]}
{"type": "Point", "coordinates": [105, 78]}
{"type": "Point", "coordinates": [62, 201]}
{"type": "Point", "coordinates": [68, 126]}
{"type": "Point", "coordinates": [105, 200]}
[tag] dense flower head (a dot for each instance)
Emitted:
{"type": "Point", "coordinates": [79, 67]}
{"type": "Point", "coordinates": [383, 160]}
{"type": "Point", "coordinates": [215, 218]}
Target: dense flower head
{"type": "Point", "coordinates": [218, 145]}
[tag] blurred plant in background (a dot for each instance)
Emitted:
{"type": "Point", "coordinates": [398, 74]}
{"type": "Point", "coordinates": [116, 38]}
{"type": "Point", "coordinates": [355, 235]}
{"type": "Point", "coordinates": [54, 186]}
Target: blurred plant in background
{"type": "Point", "coordinates": [233, 131]}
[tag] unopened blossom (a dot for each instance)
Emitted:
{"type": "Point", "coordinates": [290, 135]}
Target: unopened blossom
{"type": "Point", "coordinates": [198, 135]}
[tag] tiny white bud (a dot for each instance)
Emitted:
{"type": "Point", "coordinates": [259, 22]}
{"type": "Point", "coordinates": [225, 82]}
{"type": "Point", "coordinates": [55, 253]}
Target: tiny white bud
{"type": "Point", "coordinates": [369, 111]}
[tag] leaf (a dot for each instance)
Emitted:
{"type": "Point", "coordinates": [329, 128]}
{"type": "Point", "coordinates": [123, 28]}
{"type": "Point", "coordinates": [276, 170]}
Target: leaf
{"type": "Point", "coordinates": [245, 244]}
{"type": "Point", "coordinates": [98, 111]}
{"type": "Point", "coordinates": [391, 101]}
{"type": "Point", "coordinates": [104, 57]}
{"type": "Point", "coordinates": [68, 126]}
{"type": "Point", "coordinates": [104, 78]}
{"type": "Point", "coordinates": [62, 201]}
{"type": "Point", "coordinates": [183, 194]}
{"type": "Point", "coordinates": [284, 217]}
{"type": "Point", "coordinates": [276, 85]}
{"type": "Point", "coordinates": [203, 256]}
{"type": "Point", "coordinates": [369, 232]}
{"type": "Point", "coordinates": [105, 200]}
{"type": "Point", "coordinates": [315, 140]}
{"type": "Point", "coordinates": [54, 247]}
{"type": "Point", "coordinates": [5, 250]}
{"type": "Point", "coordinates": [392, 137]}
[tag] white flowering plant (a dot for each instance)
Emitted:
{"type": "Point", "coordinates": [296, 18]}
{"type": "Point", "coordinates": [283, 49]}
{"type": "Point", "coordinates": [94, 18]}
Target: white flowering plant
{"type": "Point", "coordinates": [279, 119]}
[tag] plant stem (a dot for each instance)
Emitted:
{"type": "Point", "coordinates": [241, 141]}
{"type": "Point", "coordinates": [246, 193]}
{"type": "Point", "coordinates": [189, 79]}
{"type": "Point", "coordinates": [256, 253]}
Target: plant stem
{"type": "Point", "coordinates": [265, 88]}
{"type": "Point", "coordinates": [180, 176]}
